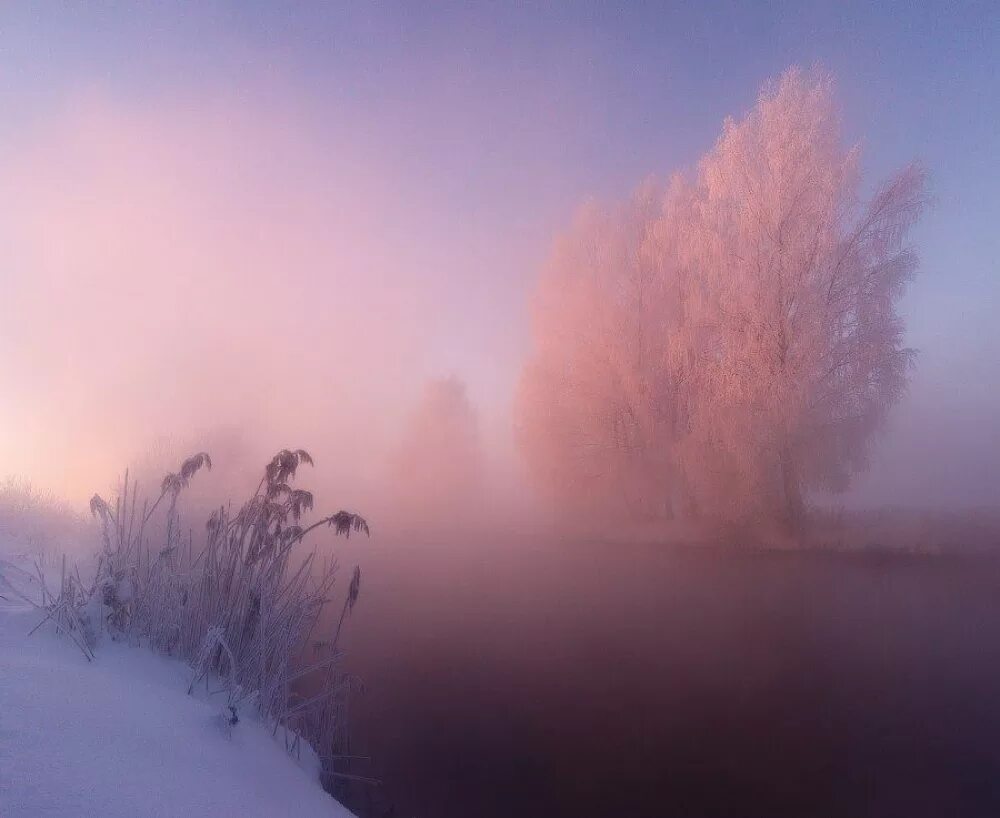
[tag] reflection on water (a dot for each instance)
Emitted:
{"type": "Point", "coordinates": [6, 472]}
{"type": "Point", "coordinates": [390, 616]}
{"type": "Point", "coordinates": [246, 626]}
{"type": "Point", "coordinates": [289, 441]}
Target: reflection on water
{"type": "Point", "coordinates": [581, 679]}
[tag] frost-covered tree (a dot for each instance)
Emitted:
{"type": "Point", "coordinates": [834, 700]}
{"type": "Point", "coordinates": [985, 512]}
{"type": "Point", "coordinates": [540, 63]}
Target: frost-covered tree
{"type": "Point", "coordinates": [798, 284]}
{"type": "Point", "coordinates": [596, 404]}
{"type": "Point", "coordinates": [724, 345]}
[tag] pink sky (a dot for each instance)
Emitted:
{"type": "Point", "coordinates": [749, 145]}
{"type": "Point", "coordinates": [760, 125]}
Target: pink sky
{"type": "Point", "coordinates": [204, 263]}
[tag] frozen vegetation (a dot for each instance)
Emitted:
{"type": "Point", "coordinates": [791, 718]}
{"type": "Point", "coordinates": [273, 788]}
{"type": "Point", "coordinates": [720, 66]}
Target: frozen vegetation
{"type": "Point", "coordinates": [160, 681]}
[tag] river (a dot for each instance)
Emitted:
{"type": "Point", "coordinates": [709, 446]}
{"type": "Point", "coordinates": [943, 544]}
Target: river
{"type": "Point", "coordinates": [518, 678]}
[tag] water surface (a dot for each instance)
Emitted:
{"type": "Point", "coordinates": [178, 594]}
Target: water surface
{"type": "Point", "coordinates": [582, 679]}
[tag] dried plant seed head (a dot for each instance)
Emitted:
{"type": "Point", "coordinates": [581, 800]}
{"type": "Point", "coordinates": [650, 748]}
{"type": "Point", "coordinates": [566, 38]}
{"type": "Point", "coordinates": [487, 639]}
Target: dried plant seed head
{"type": "Point", "coordinates": [191, 466]}
{"type": "Point", "coordinates": [300, 500]}
{"type": "Point", "coordinates": [99, 507]}
{"type": "Point", "coordinates": [171, 484]}
{"type": "Point", "coordinates": [344, 522]}
{"type": "Point", "coordinates": [284, 465]}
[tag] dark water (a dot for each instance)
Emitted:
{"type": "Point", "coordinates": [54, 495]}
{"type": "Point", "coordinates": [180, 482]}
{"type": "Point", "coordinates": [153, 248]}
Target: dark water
{"type": "Point", "coordinates": [591, 680]}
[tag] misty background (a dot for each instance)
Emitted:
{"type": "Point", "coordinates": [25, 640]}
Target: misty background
{"type": "Point", "coordinates": [239, 218]}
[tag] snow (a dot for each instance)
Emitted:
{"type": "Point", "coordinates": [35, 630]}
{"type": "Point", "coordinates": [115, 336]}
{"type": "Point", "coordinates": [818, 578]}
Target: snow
{"type": "Point", "coordinates": [119, 736]}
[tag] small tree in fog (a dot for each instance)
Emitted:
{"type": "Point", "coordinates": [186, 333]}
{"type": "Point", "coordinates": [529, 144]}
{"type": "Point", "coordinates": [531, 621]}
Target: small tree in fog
{"type": "Point", "coordinates": [724, 345]}
{"type": "Point", "coordinates": [438, 467]}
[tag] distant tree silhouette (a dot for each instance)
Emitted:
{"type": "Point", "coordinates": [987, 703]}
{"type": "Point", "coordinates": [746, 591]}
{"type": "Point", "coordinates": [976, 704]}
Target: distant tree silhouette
{"type": "Point", "coordinates": [437, 471]}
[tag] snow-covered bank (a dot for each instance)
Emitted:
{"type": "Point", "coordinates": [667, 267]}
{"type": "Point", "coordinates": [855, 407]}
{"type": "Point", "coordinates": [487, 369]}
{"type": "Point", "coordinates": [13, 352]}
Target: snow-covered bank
{"type": "Point", "coordinates": [119, 736]}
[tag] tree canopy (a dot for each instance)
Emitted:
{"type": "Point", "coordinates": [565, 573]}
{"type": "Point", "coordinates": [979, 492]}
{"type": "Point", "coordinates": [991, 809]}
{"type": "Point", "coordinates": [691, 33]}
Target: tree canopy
{"type": "Point", "coordinates": [720, 345]}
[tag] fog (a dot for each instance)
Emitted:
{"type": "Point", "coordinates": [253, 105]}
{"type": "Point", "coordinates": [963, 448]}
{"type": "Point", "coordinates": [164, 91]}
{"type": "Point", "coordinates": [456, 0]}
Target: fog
{"type": "Point", "coordinates": [255, 262]}
{"type": "Point", "coordinates": [351, 202]}
{"type": "Point", "coordinates": [210, 264]}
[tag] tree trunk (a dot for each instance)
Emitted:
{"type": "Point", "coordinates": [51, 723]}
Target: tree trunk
{"type": "Point", "coordinates": [792, 490]}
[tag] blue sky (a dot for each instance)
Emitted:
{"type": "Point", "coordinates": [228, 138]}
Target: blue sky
{"type": "Point", "coordinates": [498, 120]}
